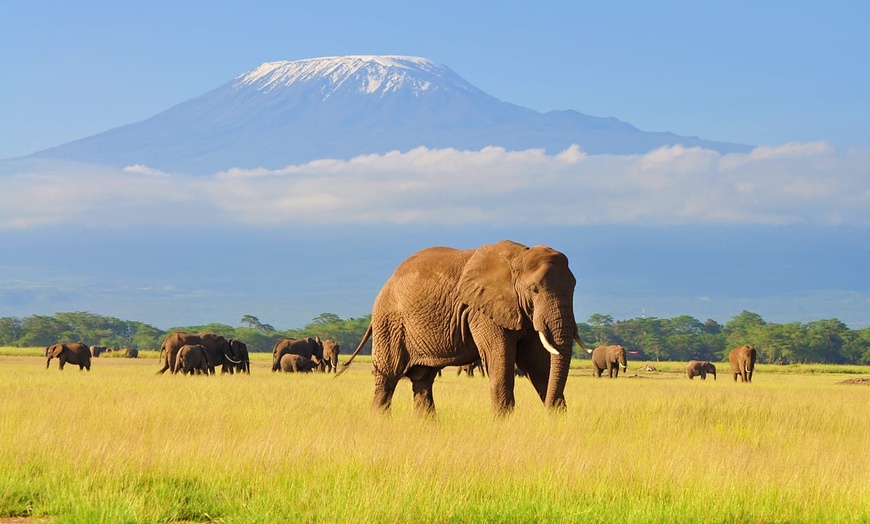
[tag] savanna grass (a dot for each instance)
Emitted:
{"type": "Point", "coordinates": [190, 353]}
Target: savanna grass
{"type": "Point", "coordinates": [122, 444]}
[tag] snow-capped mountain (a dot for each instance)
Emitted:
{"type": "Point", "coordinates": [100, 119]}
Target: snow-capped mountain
{"type": "Point", "coordinates": [283, 113]}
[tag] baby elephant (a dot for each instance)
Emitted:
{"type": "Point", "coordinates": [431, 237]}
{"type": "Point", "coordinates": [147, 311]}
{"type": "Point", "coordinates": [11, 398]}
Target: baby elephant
{"type": "Point", "coordinates": [291, 363]}
{"type": "Point", "coordinates": [700, 368]}
{"type": "Point", "coordinates": [191, 359]}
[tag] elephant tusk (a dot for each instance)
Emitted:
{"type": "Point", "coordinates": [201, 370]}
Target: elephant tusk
{"type": "Point", "coordinates": [549, 347]}
{"type": "Point", "coordinates": [233, 361]}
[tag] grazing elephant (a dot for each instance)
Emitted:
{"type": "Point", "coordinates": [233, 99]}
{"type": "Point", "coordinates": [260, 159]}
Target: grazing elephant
{"type": "Point", "coordinates": [610, 358]}
{"type": "Point", "coordinates": [469, 368]}
{"type": "Point", "coordinates": [241, 359]}
{"type": "Point", "coordinates": [131, 353]}
{"type": "Point", "coordinates": [311, 348]}
{"type": "Point", "coordinates": [700, 368]}
{"type": "Point", "coordinates": [329, 362]}
{"type": "Point", "coordinates": [742, 360]}
{"type": "Point", "coordinates": [217, 348]}
{"type": "Point", "coordinates": [75, 353]}
{"type": "Point", "coordinates": [505, 303]}
{"type": "Point", "coordinates": [191, 358]}
{"type": "Point", "coordinates": [97, 350]}
{"type": "Point", "coordinates": [291, 363]}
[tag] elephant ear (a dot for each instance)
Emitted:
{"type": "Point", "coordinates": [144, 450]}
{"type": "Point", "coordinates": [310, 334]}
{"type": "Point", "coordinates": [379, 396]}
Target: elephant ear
{"type": "Point", "coordinates": [487, 284]}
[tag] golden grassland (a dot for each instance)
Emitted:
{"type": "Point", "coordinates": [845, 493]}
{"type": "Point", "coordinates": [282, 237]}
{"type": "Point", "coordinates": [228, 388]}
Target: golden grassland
{"type": "Point", "coordinates": [123, 444]}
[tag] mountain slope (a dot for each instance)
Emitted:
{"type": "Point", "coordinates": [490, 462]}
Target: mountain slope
{"type": "Point", "coordinates": [283, 113]}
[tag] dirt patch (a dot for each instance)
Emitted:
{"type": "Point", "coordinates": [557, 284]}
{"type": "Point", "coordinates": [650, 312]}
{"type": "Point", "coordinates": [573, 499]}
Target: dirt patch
{"type": "Point", "coordinates": [857, 380]}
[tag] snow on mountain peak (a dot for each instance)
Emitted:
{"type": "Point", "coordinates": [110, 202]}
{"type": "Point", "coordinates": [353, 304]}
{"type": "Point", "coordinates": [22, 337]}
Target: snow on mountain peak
{"type": "Point", "coordinates": [373, 75]}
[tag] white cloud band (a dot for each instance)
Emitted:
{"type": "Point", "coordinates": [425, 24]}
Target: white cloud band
{"type": "Point", "coordinates": [809, 183]}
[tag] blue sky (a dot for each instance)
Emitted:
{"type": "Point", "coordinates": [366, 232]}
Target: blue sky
{"type": "Point", "coordinates": [768, 72]}
{"type": "Point", "coordinates": [779, 231]}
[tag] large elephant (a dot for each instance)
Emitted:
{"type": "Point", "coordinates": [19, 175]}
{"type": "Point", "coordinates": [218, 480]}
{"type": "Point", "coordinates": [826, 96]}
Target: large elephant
{"type": "Point", "coordinates": [329, 362]}
{"type": "Point", "coordinates": [610, 358]}
{"type": "Point", "coordinates": [700, 368]}
{"type": "Point", "coordinates": [217, 348]}
{"type": "Point", "coordinates": [742, 360]}
{"type": "Point", "coordinates": [75, 353]}
{"type": "Point", "coordinates": [191, 358]}
{"type": "Point", "coordinates": [311, 348]}
{"type": "Point", "coordinates": [506, 303]}
{"type": "Point", "coordinates": [291, 363]}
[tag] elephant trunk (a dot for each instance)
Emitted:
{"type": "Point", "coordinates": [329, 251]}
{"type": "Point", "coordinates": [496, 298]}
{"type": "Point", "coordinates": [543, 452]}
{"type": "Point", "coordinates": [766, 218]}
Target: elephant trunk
{"type": "Point", "coordinates": [556, 329]}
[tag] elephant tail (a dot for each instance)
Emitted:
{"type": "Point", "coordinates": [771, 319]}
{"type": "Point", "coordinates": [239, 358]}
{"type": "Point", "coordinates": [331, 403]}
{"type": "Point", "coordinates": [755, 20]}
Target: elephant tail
{"type": "Point", "coordinates": [580, 340]}
{"type": "Point", "coordinates": [365, 339]}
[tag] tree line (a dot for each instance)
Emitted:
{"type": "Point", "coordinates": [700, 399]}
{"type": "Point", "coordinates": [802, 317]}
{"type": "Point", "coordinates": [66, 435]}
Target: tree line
{"type": "Point", "coordinates": [649, 338]}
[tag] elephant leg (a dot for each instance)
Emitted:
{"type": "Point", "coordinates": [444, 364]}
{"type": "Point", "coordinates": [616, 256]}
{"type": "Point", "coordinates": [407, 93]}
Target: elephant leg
{"type": "Point", "coordinates": [499, 349]}
{"type": "Point", "coordinates": [422, 378]}
{"type": "Point", "coordinates": [384, 389]}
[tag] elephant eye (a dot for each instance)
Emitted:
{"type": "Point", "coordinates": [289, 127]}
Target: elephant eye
{"type": "Point", "coordinates": [534, 289]}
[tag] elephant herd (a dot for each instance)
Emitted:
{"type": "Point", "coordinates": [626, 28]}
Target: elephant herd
{"type": "Point", "coordinates": [611, 358]}
{"type": "Point", "coordinates": [741, 359]}
{"type": "Point", "coordinates": [203, 353]}
{"type": "Point", "coordinates": [506, 304]}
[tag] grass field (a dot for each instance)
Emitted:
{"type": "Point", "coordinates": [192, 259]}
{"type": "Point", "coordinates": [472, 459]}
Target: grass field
{"type": "Point", "coordinates": [122, 444]}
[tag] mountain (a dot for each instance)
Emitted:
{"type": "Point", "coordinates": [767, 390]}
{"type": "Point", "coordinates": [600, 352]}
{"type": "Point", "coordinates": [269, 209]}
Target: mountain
{"type": "Point", "coordinates": [283, 113]}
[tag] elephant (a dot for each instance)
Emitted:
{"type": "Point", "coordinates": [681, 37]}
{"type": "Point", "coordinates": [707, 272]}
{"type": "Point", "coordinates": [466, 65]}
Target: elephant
{"type": "Point", "coordinates": [291, 363]}
{"type": "Point", "coordinates": [97, 350]}
{"type": "Point", "coordinates": [131, 353]}
{"type": "Point", "coordinates": [610, 358]}
{"type": "Point", "coordinates": [192, 358]}
{"type": "Point", "coordinates": [506, 303]}
{"type": "Point", "coordinates": [742, 360]}
{"type": "Point", "coordinates": [241, 357]}
{"type": "Point", "coordinates": [75, 353]}
{"type": "Point", "coordinates": [217, 349]}
{"type": "Point", "coordinates": [469, 368]}
{"type": "Point", "coordinates": [311, 348]}
{"type": "Point", "coordinates": [329, 362]}
{"type": "Point", "coordinates": [700, 368]}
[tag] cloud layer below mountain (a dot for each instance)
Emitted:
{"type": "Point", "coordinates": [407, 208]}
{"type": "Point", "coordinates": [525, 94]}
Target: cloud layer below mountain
{"type": "Point", "coordinates": [798, 183]}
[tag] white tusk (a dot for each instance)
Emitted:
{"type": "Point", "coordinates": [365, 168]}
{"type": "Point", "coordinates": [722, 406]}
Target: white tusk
{"type": "Point", "coordinates": [547, 345]}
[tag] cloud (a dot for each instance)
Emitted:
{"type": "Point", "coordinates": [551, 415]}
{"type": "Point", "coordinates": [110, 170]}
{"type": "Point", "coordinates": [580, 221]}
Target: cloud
{"type": "Point", "coordinates": [799, 183]}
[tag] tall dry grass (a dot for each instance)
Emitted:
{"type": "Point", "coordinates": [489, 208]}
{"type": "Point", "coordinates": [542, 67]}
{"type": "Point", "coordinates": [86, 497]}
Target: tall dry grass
{"type": "Point", "coordinates": [121, 444]}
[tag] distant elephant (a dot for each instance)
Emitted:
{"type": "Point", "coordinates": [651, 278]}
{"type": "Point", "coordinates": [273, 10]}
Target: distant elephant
{"type": "Point", "coordinates": [505, 302]}
{"type": "Point", "coordinates": [191, 359]}
{"type": "Point", "coordinates": [75, 353]}
{"type": "Point", "coordinates": [468, 369]}
{"type": "Point", "coordinates": [742, 360]}
{"type": "Point", "coordinates": [329, 362]}
{"type": "Point", "coordinates": [700, 368]}
{"type": "Point", "coordinates": [97, 350]}
{"type": "Point", "coordinates": [291, 363]}
{"type": "Point", "coordinates": [241, 359]}
{"type": "Point", "coordinates": [217, 348]}
{"type": "Point", "coordinates": [311, 348]}
{"type": "Point", "coordinates": [131, 353]}
{"type": "Point", "coordinates": [610, 358]}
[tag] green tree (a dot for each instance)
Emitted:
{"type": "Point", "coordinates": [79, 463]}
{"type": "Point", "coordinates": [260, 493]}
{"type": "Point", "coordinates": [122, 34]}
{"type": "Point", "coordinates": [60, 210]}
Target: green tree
{"type": "Point", "coordinates": [254, 322]}
{"type": "Point", "coordinates": [826, 340]}
{"type": "Point", "coordinates": [11, 329]}
{"type": "Point", "coordinates": [601, 325]}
